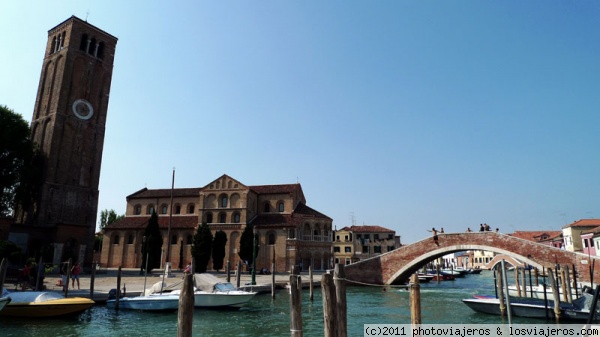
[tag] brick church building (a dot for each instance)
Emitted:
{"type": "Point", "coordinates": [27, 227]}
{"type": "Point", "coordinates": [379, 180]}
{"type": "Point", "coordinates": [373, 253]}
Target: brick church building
{"type": "Point", "coordinates": [287, 228]}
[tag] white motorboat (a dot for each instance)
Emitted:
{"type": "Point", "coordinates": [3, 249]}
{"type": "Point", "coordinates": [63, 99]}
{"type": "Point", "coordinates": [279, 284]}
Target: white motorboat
{"type": "Point", "coordinates": [213, 292]}
{"type": "Point", "coordinates": [579, 310]}
{"type": "Point", "coordinates": [153, 302]}
{"type": "Point", "coordinates": [535, 292]}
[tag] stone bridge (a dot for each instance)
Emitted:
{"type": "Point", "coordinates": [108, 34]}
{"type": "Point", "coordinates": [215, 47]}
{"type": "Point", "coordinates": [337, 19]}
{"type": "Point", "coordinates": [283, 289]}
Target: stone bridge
{"type": "Point", "coordinates": [397, 266]}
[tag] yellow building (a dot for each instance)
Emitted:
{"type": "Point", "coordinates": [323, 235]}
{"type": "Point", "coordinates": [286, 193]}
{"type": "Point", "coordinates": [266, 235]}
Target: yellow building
{"type": "Point", "coordinates": [355, 243]}
{"type": "Point", "coordinates": [289, 231]}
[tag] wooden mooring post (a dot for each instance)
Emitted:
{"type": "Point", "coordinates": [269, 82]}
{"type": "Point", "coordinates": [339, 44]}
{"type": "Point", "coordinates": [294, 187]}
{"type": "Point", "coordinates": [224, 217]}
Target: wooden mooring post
{"type": "Point", "coordinates": [536, 275]}
{"type": "Point", "coordinates": [415, 300]}
{"type": "Point", "coordinates": [329, 305]}
{"type": "Point", "coordinates": [339, 279]}
{"type": "Point", "coordinates": [524, 278]}
{"type": "Point", "coordinates": [575, 281]}
{"type": "Point", "coordinates": [273, 280]}
{"type": "Point", "coordinates": [228, 266]}
{"type": "Point", "coordinates": [238, 274]}
{"type": "Point", "coordinates": [563, 284]}
{"type": "Point", "coordinates": [118, 288]}
{"type": "Point", "coordinates": [93, 279]}
{"type": "Point", "coordinates": [295, 303]}
{"type": "Point", "coordinates": [517, 283]}
{"type": "Point", "coordinates": [68, 273]}
{"type": "Point", "coordinates": [3, 266]}
{"type": "Point", "coordinates": [500, 290]}
{"type": "Point", "coordinates": [185, 315]}
{"type": "Point", "coordinates": [310, 285]}
{"type": "Point", "coordinates": [556, 295]}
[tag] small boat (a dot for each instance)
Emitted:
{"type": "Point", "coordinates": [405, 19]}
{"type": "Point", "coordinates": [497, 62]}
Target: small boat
{"type": "Point", "coordinates": [424, 278]}
{"type": "Point", "coordinates": [579, 310]}
{"type": "Point", "coordinates": [4, 301]}
{"type": "Point", "coordinates": [153, 302]}
{"type": "Point", "coordinates": [37, 304]}
{"type": "Point", "coordinates": [538, 291]}
{"type": "Point", "coordinates": [212, 292]}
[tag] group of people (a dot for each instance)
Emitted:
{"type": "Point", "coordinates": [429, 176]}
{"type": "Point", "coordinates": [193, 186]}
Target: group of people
{"type": "Point", "coordinates": [483, 228]}
{"type": "Point", "coordinates": [74, 275]}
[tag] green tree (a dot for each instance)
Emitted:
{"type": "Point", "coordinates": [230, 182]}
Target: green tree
{"type": "Point", "coordinates": [218, 250]}
{"type": "Point", "coordinates": [202, 247]}
{"type": "Point", "coordinates": [246, 241]}
{"type": "Point", "coordinates": [17, 157]}
{"type": "Point", "coordinates": [10, 251]}
{"type": "Point", "coordinates": [107, 217]}
{"type": "Point", "coordinates": [152, 248]}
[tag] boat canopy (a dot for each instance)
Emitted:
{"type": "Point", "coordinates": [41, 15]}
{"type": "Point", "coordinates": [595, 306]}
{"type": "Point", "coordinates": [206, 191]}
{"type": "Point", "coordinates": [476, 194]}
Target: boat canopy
{"type": "Point", "coordinates": [207, 282]}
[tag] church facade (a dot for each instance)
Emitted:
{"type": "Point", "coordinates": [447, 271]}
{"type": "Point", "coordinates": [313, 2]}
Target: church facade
{"type": "Point", "coordinates": [289, 232]}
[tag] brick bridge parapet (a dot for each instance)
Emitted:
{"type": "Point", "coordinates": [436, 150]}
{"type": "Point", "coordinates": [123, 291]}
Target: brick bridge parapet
{"type": "Point", "coordinates": [396, 266]}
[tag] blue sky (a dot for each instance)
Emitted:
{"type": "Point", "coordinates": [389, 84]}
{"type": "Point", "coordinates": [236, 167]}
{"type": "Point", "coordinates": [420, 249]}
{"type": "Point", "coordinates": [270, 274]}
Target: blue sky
{"type": "Point", "coordinates": [403, 114]}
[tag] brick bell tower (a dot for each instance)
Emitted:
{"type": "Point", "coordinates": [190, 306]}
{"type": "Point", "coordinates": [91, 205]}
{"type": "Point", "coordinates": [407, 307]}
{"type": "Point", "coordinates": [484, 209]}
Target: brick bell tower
{"type": "Point", "coordinates": [68, 125]}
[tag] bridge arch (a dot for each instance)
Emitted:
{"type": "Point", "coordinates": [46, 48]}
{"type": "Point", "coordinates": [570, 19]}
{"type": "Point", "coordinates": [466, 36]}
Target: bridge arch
{"type": "Point", "coordinates": [397, 265]}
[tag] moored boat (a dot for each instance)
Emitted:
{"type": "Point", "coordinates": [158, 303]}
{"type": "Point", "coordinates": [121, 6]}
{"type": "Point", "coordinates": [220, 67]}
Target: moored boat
{"type": "Point", "coordinates": [4, 301]}
{"type": "Point", "coordinates": [37, 304]}
{"type": "Point", "coordinates": [212, 292]}
{"type": "Point", "coordinates": [579, 310]}
{"type": "Point", "coordinates": [154, 302]}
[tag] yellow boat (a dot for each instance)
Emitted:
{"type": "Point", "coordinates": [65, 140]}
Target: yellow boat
{"type": "Point", "coordinates": [44, 304]}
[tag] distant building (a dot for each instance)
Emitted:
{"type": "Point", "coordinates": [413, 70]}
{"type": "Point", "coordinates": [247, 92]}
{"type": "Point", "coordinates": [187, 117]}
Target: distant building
{"type": "Point", "coordinates": [289, 231]}
{"type": "Point", "coordinates": [355, 243]}
{"type": "Point", "coordinates": [572, 233]}
{"type": "Point", "coordinates": [548, 237]}
{"type": "Point", "coordinates": [591, 241]}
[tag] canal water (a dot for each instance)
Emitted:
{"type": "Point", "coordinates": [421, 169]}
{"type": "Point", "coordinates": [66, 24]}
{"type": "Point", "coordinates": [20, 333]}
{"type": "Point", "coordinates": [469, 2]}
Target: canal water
{"type": "Point", "coordinates": [440, 303]}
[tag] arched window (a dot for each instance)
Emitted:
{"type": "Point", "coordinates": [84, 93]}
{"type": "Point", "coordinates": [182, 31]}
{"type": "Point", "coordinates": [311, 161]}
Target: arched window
{"type": "Point", "coordinates": [116, 239]}
{"type": "Point", "coordinates": [177, 209]}
{"type": "Point", "coordinates": [280, 207]}
{"type": "Point", "coordinates": [267, 207]}
{"type": "Point", "coordinates": [209, 217]}
{"type": "Point", "coordinates": [163, 209]}
{"type": "Point", "coordinates": [130, 239]}
{"type": "Point", "coordinates": [224, 201]}
{"type": "Point", "coordinates": [137, 210]}
{"type": "Point", "coordinates": [100, 54]}
{"type": "Point", "coordinates": [190, 209]}
{"type": "Point", "coordinates": [271, 238]}
{"type": "Point", "coordinates": [174, 239]}
{"type": "Point", "coordinates": [83, 43]}
{"type": "Point", "coordinates": [93, 46]}
{"type": "Point", "coordinates": [222, 218]}
{"type": "Point", "coordinates": [150, 209]}
{"type": "Point", "coordinates": [236, 217]}
{"type": "Point", "coordinates": [189, 240]}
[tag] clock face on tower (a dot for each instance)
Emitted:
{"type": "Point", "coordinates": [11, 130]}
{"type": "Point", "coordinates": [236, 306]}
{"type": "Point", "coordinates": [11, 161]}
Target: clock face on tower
{"type": "Point", "coordinates": [83, 109]}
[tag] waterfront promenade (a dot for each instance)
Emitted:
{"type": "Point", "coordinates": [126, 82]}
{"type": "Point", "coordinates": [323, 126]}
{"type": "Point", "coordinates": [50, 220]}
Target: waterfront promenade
{"type": "Point", "coordinates": [106, 279]}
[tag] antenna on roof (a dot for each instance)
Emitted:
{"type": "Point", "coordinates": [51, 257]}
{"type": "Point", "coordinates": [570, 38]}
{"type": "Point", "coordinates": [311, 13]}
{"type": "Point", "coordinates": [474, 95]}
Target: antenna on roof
{"type": "Point", "coordinates": [86, 15]}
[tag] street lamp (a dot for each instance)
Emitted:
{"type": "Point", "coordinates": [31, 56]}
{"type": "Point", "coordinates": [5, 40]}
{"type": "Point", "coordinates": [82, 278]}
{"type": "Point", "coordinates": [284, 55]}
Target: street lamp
{"type": "Point", "coordinates": [253, 257]}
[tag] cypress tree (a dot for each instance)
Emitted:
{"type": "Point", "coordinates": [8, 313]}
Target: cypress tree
{"type": "Point", "coordinates": [202, 247]}
{"type": "Point", "coordinates": [218, 250]}
{"type": "Point", "coordinates": [246, 242]}
{"type": "Point", "coordinates": [153, 244]}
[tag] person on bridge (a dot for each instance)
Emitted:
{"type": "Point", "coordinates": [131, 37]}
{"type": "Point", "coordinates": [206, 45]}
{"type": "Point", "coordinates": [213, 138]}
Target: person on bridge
{"type": "Point", "coordinates": [435, 237]}
{"type": "Point", "coordinates": [481, 228]}
{"type": "Point", "coordinates": [469, 230]}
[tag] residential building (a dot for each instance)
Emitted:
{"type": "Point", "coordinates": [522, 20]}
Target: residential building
{"type": "Point", "coordinates": [548, 237]}
{"type": "Point", "coordinates": [357, 243]}
{"type": "Point", "coordinates": [572, 233]}
{"type": "Point", "coordinates": [590, 241]}
{"type": "Point", "coordinates": [289, 231]}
